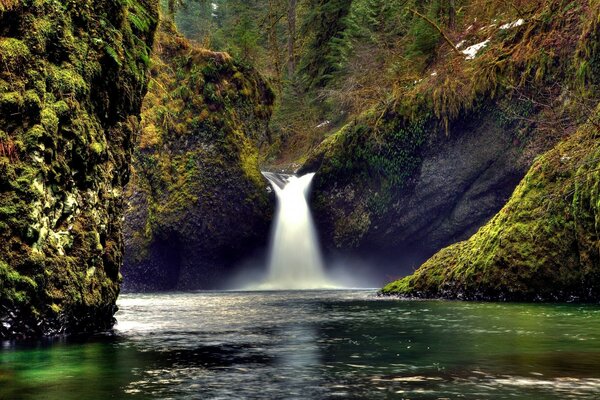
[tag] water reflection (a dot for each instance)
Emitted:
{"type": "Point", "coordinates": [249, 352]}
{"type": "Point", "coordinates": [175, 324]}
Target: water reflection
{"type": "Point", "coordinates": [316, 345]}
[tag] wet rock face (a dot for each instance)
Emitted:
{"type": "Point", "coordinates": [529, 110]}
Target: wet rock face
{"type": "Point", "coordinates": [542, 246]}
{"type": "Point", "coordinates": [463, 181]}
{"type": "Point", "coordinates": [197, 203]}
{"type": "Point", "coordinates": [72, 79]}
{"type": "Point", "coordinates": [454, 183]}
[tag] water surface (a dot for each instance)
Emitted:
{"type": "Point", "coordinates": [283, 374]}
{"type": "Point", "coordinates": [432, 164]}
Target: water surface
{"type": "Point", "coordinates": [316, 345]}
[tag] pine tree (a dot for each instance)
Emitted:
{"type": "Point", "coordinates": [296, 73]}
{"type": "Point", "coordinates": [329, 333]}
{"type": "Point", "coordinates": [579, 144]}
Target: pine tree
{"type": "Point", "coordinates": [328, 45]}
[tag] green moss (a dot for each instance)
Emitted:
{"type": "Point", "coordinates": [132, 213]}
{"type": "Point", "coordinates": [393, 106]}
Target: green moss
{"type": "Point", "coordinates": [11, 100]}
{"type": "Point", "coordinates": [32, 99]}
{"type": "Point", "coordinates": [65, 80]}
{"type": "Point", "coordinates": [61, 108]}
{"type": "Point", "coordinates": [14, 288]}
{"type": "Point", "coordinates": [48, 121]}
{"type": "Point", "coordinates": [33, 136]}
{"type": "Point", "coordinates": [97, 148]}
{"type": "Point", "coordinates": [13, 52]}
{"type": "Point", "coordinates": [197, 170]}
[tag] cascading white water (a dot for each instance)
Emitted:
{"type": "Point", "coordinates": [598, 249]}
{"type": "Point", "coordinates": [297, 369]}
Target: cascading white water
{"type": "Point", "coordinates": [295, 259]}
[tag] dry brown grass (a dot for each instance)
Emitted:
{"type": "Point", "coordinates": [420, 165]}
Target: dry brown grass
{"type": "Point", "coordinates": [7, 5]}
{"type": "Point", "coordinates": [512, 60]}
{"type": "Point", "coordinates": [8, 150]}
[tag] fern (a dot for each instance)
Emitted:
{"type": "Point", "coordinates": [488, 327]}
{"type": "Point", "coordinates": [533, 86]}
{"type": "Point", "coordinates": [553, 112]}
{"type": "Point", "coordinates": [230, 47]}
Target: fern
{"type": "Point", "coordinates": [113, 54]}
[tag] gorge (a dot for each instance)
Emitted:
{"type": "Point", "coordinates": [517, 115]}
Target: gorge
{"type": "Point", "coordinates": [153, 152]}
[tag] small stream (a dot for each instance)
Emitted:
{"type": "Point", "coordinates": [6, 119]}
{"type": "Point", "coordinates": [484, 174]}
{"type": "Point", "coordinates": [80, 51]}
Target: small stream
{"type": "Point", "coordinates": [316, 345]}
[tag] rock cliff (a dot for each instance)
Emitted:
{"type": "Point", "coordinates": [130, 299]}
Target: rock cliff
{"type": "Point", "coordinates": [543, 245]}
{"type": "Point", "coordinates": [443, 155]}
{"type": "Point", "coordinates": [72, 80]}
{"type": "Point", "coordinates": [198, 203]}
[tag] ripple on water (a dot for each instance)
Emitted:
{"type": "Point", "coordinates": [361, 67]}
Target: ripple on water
{"type": "Point", "coordinates": [318, 345]}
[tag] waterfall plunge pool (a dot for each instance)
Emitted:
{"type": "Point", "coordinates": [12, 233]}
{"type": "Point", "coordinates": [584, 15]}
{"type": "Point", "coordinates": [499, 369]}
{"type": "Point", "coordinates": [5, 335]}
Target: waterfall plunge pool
{"type": "Point", "coordinates": [316, 345]}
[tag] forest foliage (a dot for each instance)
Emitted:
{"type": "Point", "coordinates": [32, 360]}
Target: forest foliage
{"type": "Point", "coordinates": [331, 61]}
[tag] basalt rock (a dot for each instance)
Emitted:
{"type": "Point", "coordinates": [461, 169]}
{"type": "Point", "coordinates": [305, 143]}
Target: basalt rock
{"type": "Point", "coordinates": [72, 80]}
{"type": "Point", "coordinates": [198, 203]}
{"type": "Point", "coordinates": [443, 155]}
{"type": "Point", "coordinates": [544, 245]}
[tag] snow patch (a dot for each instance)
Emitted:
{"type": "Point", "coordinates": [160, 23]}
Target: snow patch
{"type": "Point", "coordinates": [472, 51]}
{"type": "Point", "coordinates": [460, 44]}
{"type": "Point", "coordinates": [324, 124]}
{"type": "Point", "coordinates": [514, 24]}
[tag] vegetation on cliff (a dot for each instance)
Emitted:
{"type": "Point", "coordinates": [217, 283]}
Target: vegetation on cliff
{"type": "Point", "coordinates": [524, 73]}
{"type": "Point", "coordinates": [197, 200]}
{"type": "Point", "coordinates": [72, 79]}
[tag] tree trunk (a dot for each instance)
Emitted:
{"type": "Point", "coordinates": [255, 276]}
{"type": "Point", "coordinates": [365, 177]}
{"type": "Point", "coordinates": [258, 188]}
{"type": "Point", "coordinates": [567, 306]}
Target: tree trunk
{"type": "Point", "coordinates": [291, 38]}
{"type": "Point", "coordinates": [171, 8]}
{"type": "Point", "coordinates": [274, 45]}
{"type": "Point", "coordinates": [437, 27]}
{"type": "Point", "coordinates": [452, 14]}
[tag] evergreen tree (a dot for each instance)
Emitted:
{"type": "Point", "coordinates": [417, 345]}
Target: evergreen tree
{"type": "Point", "coordinates": [328, 44]}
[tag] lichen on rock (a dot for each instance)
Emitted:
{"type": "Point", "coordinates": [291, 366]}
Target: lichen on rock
{"type": "Point", "coordinates": [65, 146]}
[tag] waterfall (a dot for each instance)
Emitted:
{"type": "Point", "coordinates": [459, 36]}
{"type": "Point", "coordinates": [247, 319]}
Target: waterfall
{"type": "Point", "coordinates": [295, 259]}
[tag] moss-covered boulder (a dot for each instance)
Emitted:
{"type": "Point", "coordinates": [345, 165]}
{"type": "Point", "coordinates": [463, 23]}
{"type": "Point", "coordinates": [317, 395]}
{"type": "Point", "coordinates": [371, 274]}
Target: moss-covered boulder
{"type": "Point", "coordinates": [72, 80]}
{"type": "Point", "coordinates": [436, 162]}
{"type": "Point", "coordinates": [543, 245]}
{"type": "Point", "coordinates": [197, 201]}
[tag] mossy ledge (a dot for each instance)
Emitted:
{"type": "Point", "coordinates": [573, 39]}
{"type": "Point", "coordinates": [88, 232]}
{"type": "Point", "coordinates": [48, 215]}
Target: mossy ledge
{"type": "Point", "coordinates": [544, 245]}
{"type": "Point", "coordinates": [72, 80]}
{"type": "Point", "coordinates": [198, 203]}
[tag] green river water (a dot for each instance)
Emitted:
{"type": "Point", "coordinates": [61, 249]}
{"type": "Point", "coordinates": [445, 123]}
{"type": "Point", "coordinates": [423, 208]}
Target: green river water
{"type": "Point", "coordinates": [316, 345]}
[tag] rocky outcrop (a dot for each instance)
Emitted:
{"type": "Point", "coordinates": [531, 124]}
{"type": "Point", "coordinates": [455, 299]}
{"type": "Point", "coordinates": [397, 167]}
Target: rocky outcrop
{"type": "Point", "coordinates": [197, 202]}
{"type": "Point", "coordinates": [72, 79]}
{"type": "Point", "coordinates": [446, 186]}
{"type": "Point", "coordinates": [436, 162]}
{"type": "Point", "coordinates": [544, 245]}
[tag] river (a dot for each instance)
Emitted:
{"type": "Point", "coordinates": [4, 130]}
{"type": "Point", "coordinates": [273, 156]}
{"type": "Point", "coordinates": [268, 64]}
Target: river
{"type": "Point", "coordinates": [316, 345]}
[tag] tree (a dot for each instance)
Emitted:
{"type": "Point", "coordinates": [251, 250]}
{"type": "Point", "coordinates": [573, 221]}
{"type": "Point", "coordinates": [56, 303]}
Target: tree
{"type": "Point", "coordinates": [451, 14]}
{"type": "Point", "coordinates": [327, 47]}
{"type": "Point", "coordinates": [273, 19]}
{"type": "Point", "coordinates": [291, 38]}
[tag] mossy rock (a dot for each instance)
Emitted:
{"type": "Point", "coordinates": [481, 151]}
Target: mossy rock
{"type": "Point", "coordinates": [544, 245]}
{"type": "Point", "coordinates": [442, 155]}
{"type": "Point", "coordinates": [198, 203]}
{"type": "Point", "coordinates": [65, 149]}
